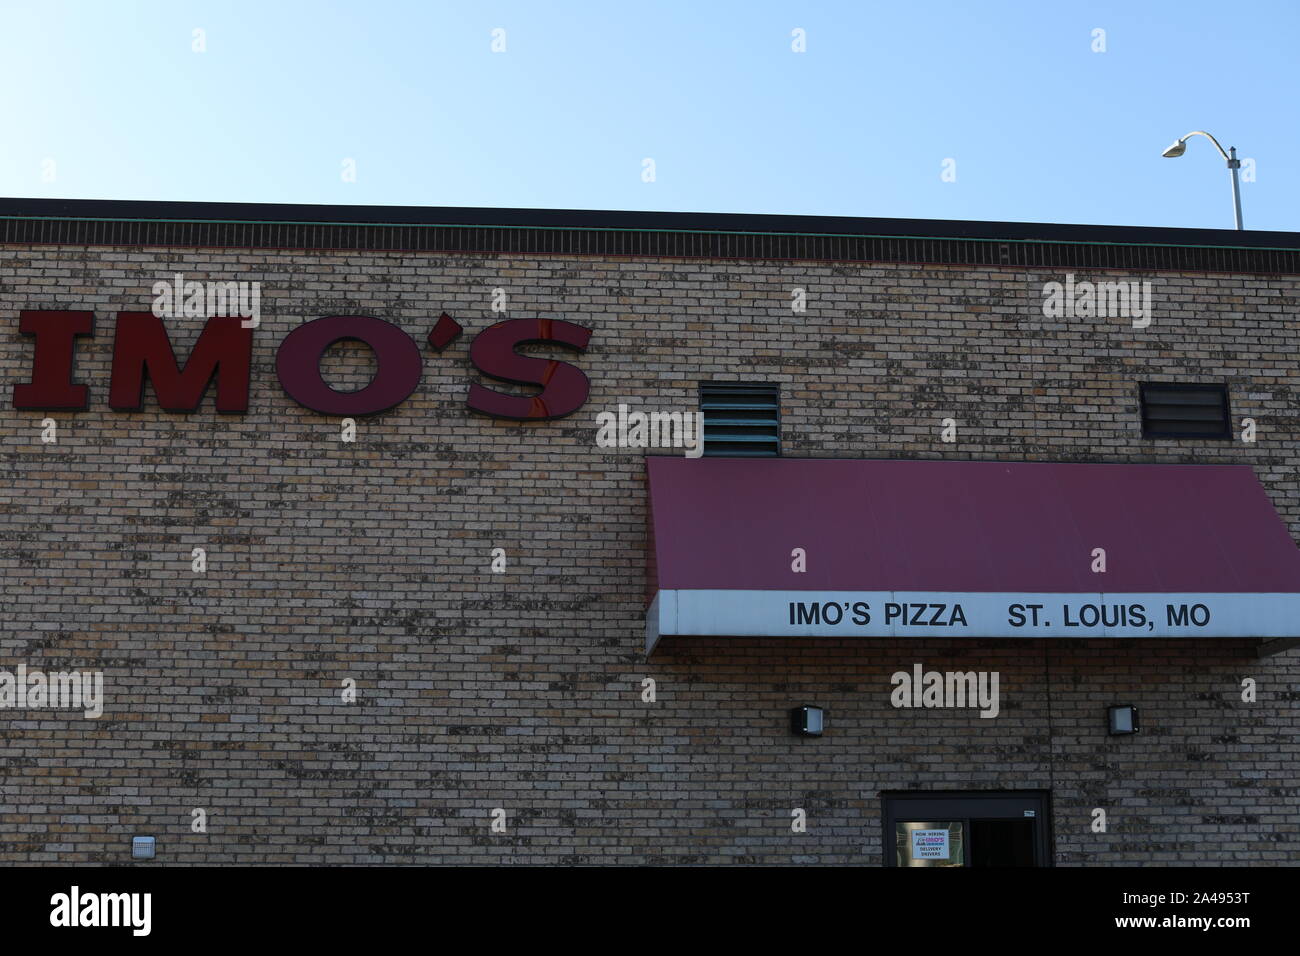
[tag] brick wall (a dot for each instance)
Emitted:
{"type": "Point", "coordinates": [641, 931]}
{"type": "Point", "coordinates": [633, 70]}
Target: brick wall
{"type": "Point", "coordinates": [522, 690]}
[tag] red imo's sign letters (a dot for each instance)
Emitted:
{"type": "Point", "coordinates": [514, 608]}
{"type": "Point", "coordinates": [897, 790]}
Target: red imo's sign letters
{"type": "Point", "coordinates": [142, 350]}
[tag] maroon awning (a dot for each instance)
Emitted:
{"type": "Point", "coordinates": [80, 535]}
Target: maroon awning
{"type": "Point", "coordinates": [964, 528]}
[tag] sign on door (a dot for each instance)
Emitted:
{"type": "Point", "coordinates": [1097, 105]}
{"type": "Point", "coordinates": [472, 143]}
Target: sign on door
{"type": "Point", "coordinates": [929, 844]}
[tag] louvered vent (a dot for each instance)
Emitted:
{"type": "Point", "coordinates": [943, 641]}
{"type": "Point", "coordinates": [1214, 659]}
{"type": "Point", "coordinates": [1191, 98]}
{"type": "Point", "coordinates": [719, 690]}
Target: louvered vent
{"type": "Point", "coordinates": [741, 421]}
{"type": "Point", "coordinates": [1185, 411]}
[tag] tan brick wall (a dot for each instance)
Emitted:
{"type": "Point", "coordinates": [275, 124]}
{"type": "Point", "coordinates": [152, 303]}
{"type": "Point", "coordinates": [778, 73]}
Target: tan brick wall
{"type": "Point", "coordinates": [523, 691]}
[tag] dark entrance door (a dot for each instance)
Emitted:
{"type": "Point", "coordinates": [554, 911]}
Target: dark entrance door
{"type": "Point", "coordinates": [1002, 843]}
{"type": "Point", "coordinates": [967, 828]}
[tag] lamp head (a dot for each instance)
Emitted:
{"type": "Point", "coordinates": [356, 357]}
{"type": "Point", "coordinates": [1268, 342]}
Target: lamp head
{"type": "Point", "coordinates": [1177, 149]}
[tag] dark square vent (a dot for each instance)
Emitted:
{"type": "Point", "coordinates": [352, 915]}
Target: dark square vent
{"type": "Point", "coordinates": [741, 420]}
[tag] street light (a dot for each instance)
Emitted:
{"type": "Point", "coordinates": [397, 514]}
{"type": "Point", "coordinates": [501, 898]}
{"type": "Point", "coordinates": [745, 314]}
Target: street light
{"type": "Point", "coordinates": [1180, 146]}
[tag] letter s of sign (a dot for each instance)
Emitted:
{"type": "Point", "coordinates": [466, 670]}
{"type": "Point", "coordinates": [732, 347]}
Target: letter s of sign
{"type": "Point", "coordinates": [564, 386]}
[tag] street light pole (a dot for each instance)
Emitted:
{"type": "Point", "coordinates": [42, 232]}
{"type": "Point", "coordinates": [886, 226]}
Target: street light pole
{"type": "Point", "coordinates": [1234, 164]}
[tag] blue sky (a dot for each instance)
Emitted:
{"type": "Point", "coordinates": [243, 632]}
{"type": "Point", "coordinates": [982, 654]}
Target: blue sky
{"type": "Point", "coordinates": [1041, 127]}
